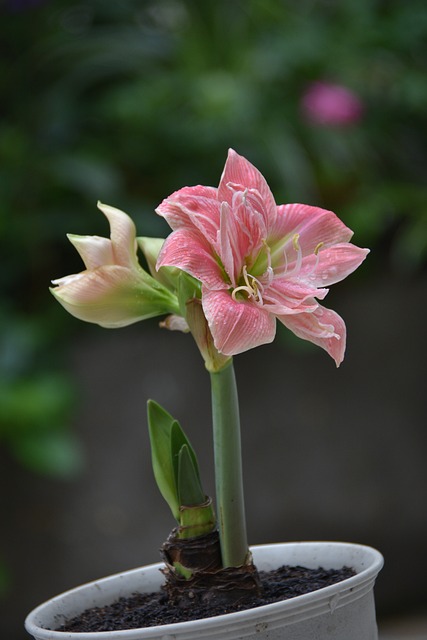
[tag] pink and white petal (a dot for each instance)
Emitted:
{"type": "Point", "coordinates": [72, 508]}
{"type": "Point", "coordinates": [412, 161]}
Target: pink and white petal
{"type": "Point", "coordinates": [123, 235]}
{"type": "Point", "coordinates": [238, 239]}
{"type": "Point", "coordinates": [332, 264]}
{"type": "Point", "coordinates": [285, 297]}
{"type": "Point", "coordinates": [239, 171]}
{"type": "Point", "coordinates": [264, 214]}
{"type": "Point", "coordinates": [93, 250]}
{"type": "Point", "coordinates": [252, 223]}
{"type": "Point", "coordinates": [112, 296]}
{"type": "Point", "coordinates": [236, 326]}
{"type": "Point", "coordinates": [313, 225]}
{"type": "Point", "coordinates": [88, 287]}
{"type": "Point", "coordinates": [323, 327]}
{"type": "Point", "coordinates": [190, 251]}
{"type": "Point", "coordinates": [228, 246]}
{"type": "Point", "coordinates": [105, 296]}
{"type": "Point", "coordinates": [192, 206]}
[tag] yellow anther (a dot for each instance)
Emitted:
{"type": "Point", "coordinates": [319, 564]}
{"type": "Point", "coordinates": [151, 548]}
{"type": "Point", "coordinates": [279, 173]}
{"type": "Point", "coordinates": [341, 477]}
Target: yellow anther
{"type": "Point", "coordinates": [318, 247]}
{"type": "Point", "coordinates": [253, 288]}
{"type": "Point", "coordinates": [295, 241]}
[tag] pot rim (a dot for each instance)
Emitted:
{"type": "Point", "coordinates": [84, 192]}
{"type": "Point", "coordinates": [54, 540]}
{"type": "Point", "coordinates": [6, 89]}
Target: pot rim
{"type": "Point", "coordinates": [304, 606]}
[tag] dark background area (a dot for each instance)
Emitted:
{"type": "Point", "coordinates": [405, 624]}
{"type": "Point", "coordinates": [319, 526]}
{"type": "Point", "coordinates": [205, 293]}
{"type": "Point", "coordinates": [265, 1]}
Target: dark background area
{"type": "Point", "coordinates": [126, 102]}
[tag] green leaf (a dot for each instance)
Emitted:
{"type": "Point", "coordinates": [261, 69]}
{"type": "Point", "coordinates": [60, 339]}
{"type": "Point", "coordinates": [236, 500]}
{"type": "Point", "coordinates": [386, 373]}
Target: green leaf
{"type": "Point", "coordinates": [174, 463]}
{"type": "Point", "coordinates": [178, 439]}
{"type": "Point", "coordinates": [190, 490]}
{"type": "Point", "coordinates": [160, 424]}
{"type": "Point", "coordinates": [183, 571]}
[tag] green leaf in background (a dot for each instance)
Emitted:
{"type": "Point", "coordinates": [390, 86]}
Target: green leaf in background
{"type": "Point", "coordinates": [56, 452]}
{"type": "Point", "coordinates": [36, 402]}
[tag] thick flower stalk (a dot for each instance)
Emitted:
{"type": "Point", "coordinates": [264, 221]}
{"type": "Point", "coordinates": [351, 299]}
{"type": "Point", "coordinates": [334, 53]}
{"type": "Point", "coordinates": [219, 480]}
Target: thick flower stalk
{"type": "Point", "coordinates": [259, 262]}
{"type": "Point", "coordinates": [114, 290]}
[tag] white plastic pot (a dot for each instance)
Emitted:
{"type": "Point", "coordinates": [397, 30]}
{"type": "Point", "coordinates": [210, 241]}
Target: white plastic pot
{"type": "Point", "coordinates": [343, 611]}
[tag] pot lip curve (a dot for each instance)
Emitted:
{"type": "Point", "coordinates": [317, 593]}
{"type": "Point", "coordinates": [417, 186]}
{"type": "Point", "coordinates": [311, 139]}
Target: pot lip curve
{"type": "Point", "coordinates": [363, 580]}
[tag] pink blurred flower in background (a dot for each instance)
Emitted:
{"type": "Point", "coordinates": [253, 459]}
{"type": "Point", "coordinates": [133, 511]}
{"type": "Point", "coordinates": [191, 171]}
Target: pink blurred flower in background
{"type": "Point", "coordinates": [331, 104]}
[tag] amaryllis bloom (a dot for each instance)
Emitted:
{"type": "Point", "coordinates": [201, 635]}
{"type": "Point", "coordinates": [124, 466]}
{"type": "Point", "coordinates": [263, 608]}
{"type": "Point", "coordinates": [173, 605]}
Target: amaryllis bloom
{"type": "Point", "coordinates": [257, 261]}
{"type": "Point", "coordinates": [114, 290]}
{"type": "Point", "coordinates": [326, 103]}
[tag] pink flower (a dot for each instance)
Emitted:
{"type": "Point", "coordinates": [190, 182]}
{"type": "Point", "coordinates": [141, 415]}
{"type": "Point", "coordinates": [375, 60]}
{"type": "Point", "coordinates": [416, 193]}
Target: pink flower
{"type": "Point", "coordinates": [325, 103]}
{"type": "Point", "coordinates": [259, 262]}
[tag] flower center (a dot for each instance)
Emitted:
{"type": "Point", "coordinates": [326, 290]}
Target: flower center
{"type": "Point", "coordinates": [252, 287]}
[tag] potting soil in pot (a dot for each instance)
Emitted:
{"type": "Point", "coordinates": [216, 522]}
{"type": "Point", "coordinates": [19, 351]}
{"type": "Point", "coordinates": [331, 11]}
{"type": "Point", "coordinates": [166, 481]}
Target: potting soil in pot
{"type": "Point", "coordinates": [152, 609]}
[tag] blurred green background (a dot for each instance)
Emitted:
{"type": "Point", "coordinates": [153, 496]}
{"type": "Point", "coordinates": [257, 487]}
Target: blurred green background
{"type": "Point", "coordinates": [128, 101]}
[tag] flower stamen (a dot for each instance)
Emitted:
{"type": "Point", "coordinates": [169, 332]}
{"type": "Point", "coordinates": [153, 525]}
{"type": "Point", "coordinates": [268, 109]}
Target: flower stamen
{"type": "Point", "coordinates": [312, 272]}
{"type": "Point", "coordinates": [298, 261]}
{"type": "Point", "coordinates": [252, 287]}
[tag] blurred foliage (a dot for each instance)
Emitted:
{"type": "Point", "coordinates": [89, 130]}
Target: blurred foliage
{"type": "Point", "coordinates": [128, 101]}
{"type": "Point", "coordinates": [35, 400]}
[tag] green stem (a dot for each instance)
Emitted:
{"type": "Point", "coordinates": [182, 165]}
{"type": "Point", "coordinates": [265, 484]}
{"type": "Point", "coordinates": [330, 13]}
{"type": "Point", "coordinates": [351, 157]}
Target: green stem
{"type": "Point", "coordinates": [228, 467]}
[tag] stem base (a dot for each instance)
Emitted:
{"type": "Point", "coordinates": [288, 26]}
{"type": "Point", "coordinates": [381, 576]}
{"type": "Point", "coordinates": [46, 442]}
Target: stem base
{"type": "Point", "coordinates": [207, 580]}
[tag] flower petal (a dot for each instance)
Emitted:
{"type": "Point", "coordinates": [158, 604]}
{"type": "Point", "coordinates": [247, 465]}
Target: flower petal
{"type": "Point", "coordinates": [285, 297]}
{"type": "Point", "coordinates": [123, 235]}
{"type": "Point", "coordinates": [111, 296]}
{"type": "Point", "coordinates": [323, 327]}
{"type": "Point", "coordinates": [192, 206]}
{"type": "Point", "coordinates": [332, 264]}
{"type": "Point", "coordinates": [228, 245]}
{"type": "Point", "coordinates": [236, 326]}
{"type": "Point", "coordinates": [312, 225]}
{"type": "Point", "coordinates": [190, 251]}
{"type": "Point", "coordinates": [94, 250]}
{"type": "Point", "coordinates": [240, 175]}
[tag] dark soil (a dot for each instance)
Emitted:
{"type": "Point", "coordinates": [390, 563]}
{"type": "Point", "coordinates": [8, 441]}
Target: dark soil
{"type": "Point", "coordinates": [151, 609]}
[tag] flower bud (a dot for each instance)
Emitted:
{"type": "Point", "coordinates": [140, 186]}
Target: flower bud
{"type": "Point", "coordinates": [114, 290]}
